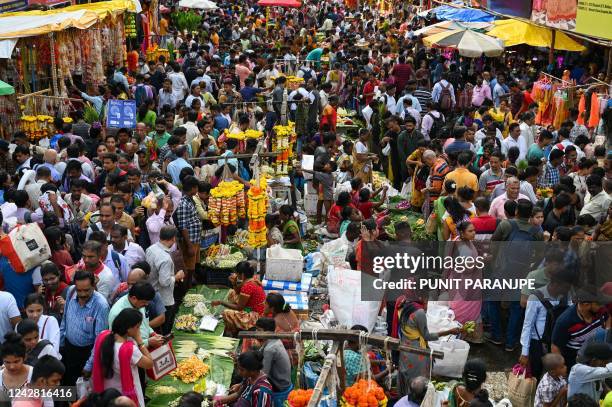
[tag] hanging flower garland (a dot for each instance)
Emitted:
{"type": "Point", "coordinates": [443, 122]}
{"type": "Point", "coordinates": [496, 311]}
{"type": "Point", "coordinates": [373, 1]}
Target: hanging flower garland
{"type": "Point", "coordinates": [226, 203]}
{"type": "Point", "coordinates": [257, 209]}
{"type": "Point", "coordinates": [282, 143]}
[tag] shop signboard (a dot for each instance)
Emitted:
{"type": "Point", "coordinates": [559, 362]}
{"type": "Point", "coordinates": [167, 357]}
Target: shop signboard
{"type": "Point", "coordinates": [12, 5]}
{"type": "Point", "coordinates": [121, 114]}
{"type": "Point", "coordinates": [587, 17]}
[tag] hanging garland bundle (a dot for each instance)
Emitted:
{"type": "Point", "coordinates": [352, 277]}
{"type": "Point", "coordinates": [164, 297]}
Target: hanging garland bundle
{"type": "Point", "coordinates": [257, 209]}
{"type": "Point", "coordinates": [282, 142]}
{"type": "Point", "coordinates": [226, 203]}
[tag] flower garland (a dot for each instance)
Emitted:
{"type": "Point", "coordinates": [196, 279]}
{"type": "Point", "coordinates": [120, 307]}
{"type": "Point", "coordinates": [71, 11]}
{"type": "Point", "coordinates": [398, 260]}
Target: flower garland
{"type": "Point", "coordinates": [241, 136]}
{"type": "Point", "coordinates": [226, 203]}
{"type": "Point", "coordinates": [282, 142]}
{"type": "Point", "coordinates": [39, 126]}
{"type": "Point", "coordinates": [258, 207]}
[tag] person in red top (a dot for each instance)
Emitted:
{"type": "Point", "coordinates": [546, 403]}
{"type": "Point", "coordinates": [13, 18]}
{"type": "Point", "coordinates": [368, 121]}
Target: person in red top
{"type": "Point", "coordinates": [245, 303]}
{"type": "Point", "coordinates": [330, 115]}
{"type": "Point", "coordinates": [57, 242]}
{"type": "Point", "coordinates": [403, 73]}
{"type": "Point", "coordinates": [334, 217]}
{"type": "Point", "coordinates": [53, 288]}
{"type": "Point", "coordinates": [369, 88]}
{"type": "Point", "coordinates": [366, 206]}
{"type": "Point", "coordinates": [484, 223]}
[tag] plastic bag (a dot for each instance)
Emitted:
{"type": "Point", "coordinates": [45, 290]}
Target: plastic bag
{"type": "Point", "coordinates": [149, 201]}
{"type": "Point", "coordinates": [83, 387]}
{"type": "Point", "coordinates": [455, 355]}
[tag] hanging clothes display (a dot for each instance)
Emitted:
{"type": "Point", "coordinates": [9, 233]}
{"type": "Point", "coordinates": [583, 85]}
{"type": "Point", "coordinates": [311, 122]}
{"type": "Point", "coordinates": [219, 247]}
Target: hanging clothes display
{"type": "Point", "coordinates": [594, 115]}
{"type": "Point", "coordinates": [581, 109]}
{"type": "Point", "coordinates": [542, 93]}
{"type": "Point", "coordinates": [560, 108]}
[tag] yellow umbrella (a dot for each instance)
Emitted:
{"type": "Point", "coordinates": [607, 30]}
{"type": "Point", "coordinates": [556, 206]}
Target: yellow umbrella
{"type": "Point", "coordinates": [514, 32]}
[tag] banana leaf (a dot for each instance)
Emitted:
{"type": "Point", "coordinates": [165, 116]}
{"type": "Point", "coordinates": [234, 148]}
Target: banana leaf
{"type": "Point", "coordinates": [221, 367]}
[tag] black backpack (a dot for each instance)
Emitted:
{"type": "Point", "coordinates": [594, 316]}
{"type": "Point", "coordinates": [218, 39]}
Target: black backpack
{"type": "Point", "coordinates": [552, 313]}
{"type": "Point", "coordinates": [438, 127]}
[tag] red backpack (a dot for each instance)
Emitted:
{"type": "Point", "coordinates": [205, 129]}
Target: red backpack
{"type": "Point", "coordinates": [446, 99]}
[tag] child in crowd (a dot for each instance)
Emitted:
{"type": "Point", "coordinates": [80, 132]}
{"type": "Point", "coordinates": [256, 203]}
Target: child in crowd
{"type": "Point", "coordinates": [326, 180]}
{"type": "Point", "coordinates": [365, 205]}
{"type": "Point", "coordinates": [587, 377]}
{"type": "Point", "coordinates": [349, 214]}
{"type": "Point", "coordinates": [552, 388]}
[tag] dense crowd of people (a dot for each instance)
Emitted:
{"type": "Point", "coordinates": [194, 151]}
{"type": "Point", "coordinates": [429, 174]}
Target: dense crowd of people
{"type": "Point", "coordinates": [124, 210]}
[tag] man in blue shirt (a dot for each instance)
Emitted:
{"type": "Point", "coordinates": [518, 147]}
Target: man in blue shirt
{"type": "Point", "coordinates": [180, 162]}
{"type": "Point", "coordinates": [249, 92]}
{"type": "Point", "coordinates": [85, 316]}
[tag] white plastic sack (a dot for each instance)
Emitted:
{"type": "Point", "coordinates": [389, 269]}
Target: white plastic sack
{"type": "Point", "coordinates": [334, 253]}
{"type": "Point", "coordinates": [440, 318]}
{"type": "Point", "coordinates": [455, 355]}
{"type": "Point", "coordinates": [278, 253]}
{"type": "Point", "coordinates": [344, 187]}
{"type": "Point", "coordinates": [344, 287]}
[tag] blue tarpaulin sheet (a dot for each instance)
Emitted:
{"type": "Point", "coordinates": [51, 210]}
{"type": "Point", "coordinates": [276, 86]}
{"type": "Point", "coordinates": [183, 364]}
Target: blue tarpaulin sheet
{"type": "Point", "coordinates": [461, 14]}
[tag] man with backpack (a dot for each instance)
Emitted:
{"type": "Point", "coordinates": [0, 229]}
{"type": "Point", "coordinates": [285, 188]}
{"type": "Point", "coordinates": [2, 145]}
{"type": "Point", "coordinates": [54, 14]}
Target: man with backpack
{"type": "Point", "coordinates": [433, 123]}
{"type": "Point", "coordinates": [511, 259]}
{"type": "Point", "coordinates": [544, 306]}
{"type": "Point", "coordinates": [443, 93]}
{"type": "Point", "coordinates": [141, 91]}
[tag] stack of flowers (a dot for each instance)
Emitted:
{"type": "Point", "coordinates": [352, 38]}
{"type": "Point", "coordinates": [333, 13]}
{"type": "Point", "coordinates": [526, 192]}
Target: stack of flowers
{"type": "Point", "coordinates": [299, 397]}
{"type": "Point", "coordinates": [282, 143]}
{"type": "Point", "coordinates": [364, 393]}
{"type": "Point", "coordinates": [37, 127]}
{"type": "Point", "coordinates": [226, 204]}
{"type": "Point", "coordinates": [257, 209]}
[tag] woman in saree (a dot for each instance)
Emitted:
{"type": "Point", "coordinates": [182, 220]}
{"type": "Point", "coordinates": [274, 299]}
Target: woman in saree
{"type": "Point", "coordinates": [410, 323]}
{"type": "Point", "coordinates": [245, 302]}
{"type": "Point", "coordinates": [290, 229]}
{"type": "Point", "coordinates": [362, 158]}
{"type": "Point", "coordinates": [420, 172]}
{"type": "Point", "coordinates": [466, 304]}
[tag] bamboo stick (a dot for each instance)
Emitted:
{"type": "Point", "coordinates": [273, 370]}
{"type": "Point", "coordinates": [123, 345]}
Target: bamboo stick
{"type": "Point", "coordinates": [323, 377]}
{"type": "Point", "coordinates": [341, 335]}
{"type": "Point", "coordinates": [40, 92]}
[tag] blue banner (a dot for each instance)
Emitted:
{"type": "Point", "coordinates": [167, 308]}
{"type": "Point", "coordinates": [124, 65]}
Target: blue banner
{"type": "Point", "coordinates": [516, 8]}
{"type": "Point", "coordinates": [121, 113]}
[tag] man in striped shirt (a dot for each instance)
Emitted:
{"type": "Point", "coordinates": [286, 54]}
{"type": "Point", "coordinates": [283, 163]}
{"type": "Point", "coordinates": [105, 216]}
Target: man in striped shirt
{"type": "Point", "coordinates": [576, 325]}
{"type": "Point", "coordinates": [423, 95]}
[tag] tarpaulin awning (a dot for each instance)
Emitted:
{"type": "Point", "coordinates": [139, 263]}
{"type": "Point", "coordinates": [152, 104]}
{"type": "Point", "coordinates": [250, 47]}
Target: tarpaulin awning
{"type": "Point", "coordinates": [279, 3]}
{"type": "Point", "coordinates": [515, 32]}
{"type": "Point", "coordinates": [461, 14]}
{"type": "Point", "coordinates": [469, 43]}
{"type": "Point", "coordinates": [31, 23]}
{"type": "Point", "coordinates": [6, 89]}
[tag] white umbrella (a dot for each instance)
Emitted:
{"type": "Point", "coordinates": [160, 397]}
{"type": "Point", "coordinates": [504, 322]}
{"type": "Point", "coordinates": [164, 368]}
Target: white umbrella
{"type": "Point", "coordinates": [199, 4]}
{"type": "Point", "coordinates": [469, 43]}
{"type": "Point", "coordinates": [450, 25]}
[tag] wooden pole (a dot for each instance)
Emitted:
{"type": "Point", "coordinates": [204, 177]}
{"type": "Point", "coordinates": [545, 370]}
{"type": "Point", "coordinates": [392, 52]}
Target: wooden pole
{"type": "Point", "coordinates": [341, 335]}
{"type": "Point", "coordinates": [551, 52]}
{"type": "Point", "coordinates": [324, 376]}
{"type": "Point", "coordinates": [221, 157]}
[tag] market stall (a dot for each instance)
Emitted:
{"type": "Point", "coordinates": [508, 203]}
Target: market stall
{"type": "Point", "coordinates": [8, 109]}
{"type": "Point", "coordinates": [84, 40]}
{"type": "Point", "coordinates": [203, 357]}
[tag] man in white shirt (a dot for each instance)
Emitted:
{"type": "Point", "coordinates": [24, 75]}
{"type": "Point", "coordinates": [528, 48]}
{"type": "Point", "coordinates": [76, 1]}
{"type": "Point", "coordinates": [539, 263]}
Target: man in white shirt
{"type": "Point", "coordinates": [367, 113]}
{"type": "Point", "coordinates": [564, 140]}
{"type": "Point", "coordinates": [304, 96]}
{"type": "Point", "coordinates": [132, 252]}
{"type": "Point", "coordinates": [9, 314]}
{"type": "Point", "coordinates": [269, 73]}
{"type": "Point", "coordinates": [166, 96]}
{"type": "Point", "coordinates": [527, 128]}
{"type": "Point", "coordinates": [32, 181]}
{"type": "Point", "coordinates": [191, 126]}
{"type": "Point", "coordinates": [114, 261]}
{"type": "Point", "coordinates": [515, 139]}
{"type": "Point", "coordinates": [180, 88]}
{"type": "Point", "coordinates": [599, 202]}
{"type": "Point", "coordinates": [388, 97]}
{"type": "Point", "coordinates": [408, 110]}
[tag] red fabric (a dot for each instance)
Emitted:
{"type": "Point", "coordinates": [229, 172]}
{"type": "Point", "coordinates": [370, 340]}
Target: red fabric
{"type": "Point", "coordinates": [8, 251]}
{"type": "Point", "coordinates": [484, 224]}
{"type": "Point", "coordinates": [257, 296]}
{"type": "Point", "coordinates": [69, 271]}
{"type": "Point", "coordinates": [398, 304]}
{"type": "Point", "coordinates": [125, 367]}
{"type": "Point", "coordinates": [402, 73]}
{"type": "Point", "coordinates": [581, 109]}
{"type": "Point", "coordinates": [330, 117]}
{"type": "Point", "coordinates": [62, 258]}
{"type": "Point", "coordinates": [366, 209]}
{"type": "Point", "coordinates": [334, 217]}
{"type": "Point", "coordinates": [594, 116]}
{"type": "Point", "coordinates": [51, 296]}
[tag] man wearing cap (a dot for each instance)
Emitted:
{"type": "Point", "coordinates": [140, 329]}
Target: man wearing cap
{"type": "Point", "coordinates": [588, 377]}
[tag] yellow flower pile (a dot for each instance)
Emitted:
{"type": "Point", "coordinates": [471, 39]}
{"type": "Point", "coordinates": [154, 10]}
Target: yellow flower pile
{"type": "Point", "coordinates": [258, 207]}
{"type": "Point", "coordinates": [190, 370]}
{"type": "Point", "coordinates": [226, 203]}
{"type": "Point", "coordinates": [241, 136]}
{"type": "Point", "coordinates": [37, 127]}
